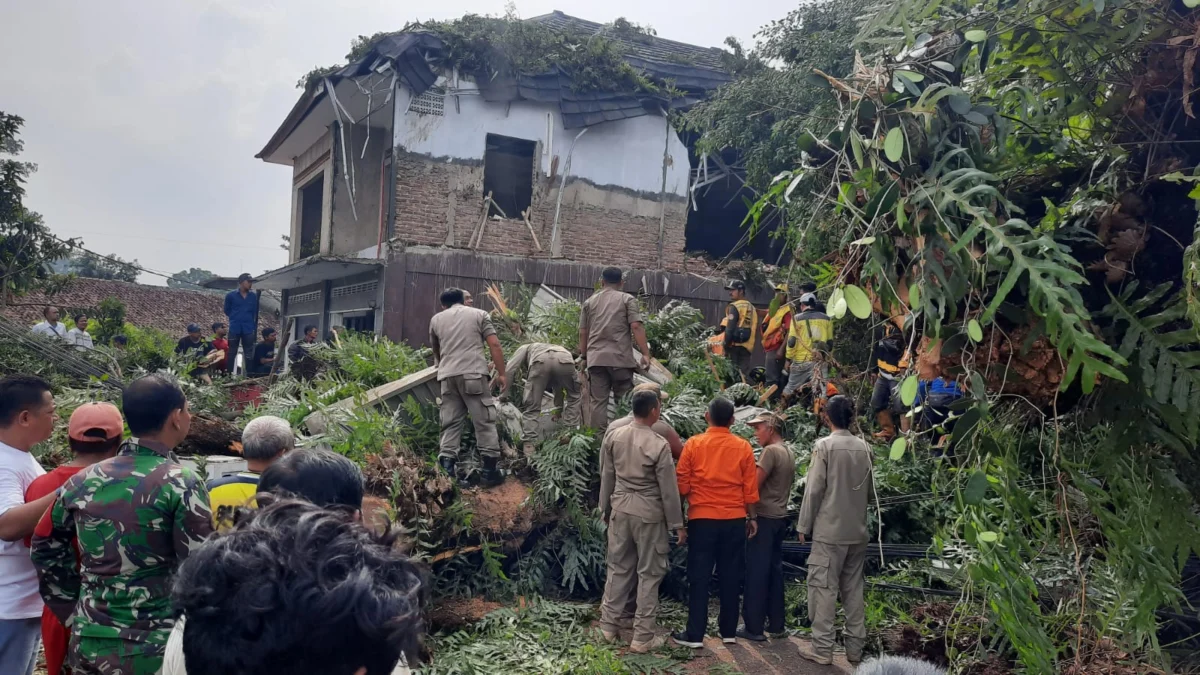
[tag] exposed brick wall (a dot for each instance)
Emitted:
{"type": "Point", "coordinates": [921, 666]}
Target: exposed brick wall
{"type": "Point", "coordinates": [441, 204]}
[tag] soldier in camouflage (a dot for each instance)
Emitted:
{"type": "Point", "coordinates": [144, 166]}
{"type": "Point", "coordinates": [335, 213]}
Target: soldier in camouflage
{"type": "Point", "coordinates": [136, 517]}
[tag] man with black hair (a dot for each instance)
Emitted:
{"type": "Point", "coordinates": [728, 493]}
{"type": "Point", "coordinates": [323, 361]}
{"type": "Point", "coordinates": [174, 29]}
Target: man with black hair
{"type": "Point", "coordinates": [264, 354]}
{"type": "Point", "coordinates": [241, 308]}
{"type": "Point", "coordinates": [94, 434]}
{"type": "Point", "coordinates": [195, 348]}
{"type": "Point", "coordinates": [320, 476]}
{"type": "Point", "coordinates": [741, 327]}
{"type": "Point", "coordinates": [78, 335]}
{"type": "Point", "coordinates": [609, 323]}
{"type": "Point", "coordinates": [120, 342]}
{"type": "Point", "coordinates": [26, 418]}
{"type": "Point", "coordinates": [660, 427]}
{"type": "Point", "coordinates": [297, 353]}
{"type": "Point", "coordinates": [639, 498]}
{"type": "Point", "coordinates": [456, 334]}
{"type": "Point", "coordinates": [763, 605]}
{"type": "Point", "coordinates": [136, 517]}
{"type": "Point", "coordinates": [833, 516]}
{"type": "Point", "coordinates": [718, 478]}
{"type": "Point", "coordinates": [220, 342]}
{"type": "Point", "coordinates": [51, 327]}
{"type": "Point", "coordinates": [298, 589]}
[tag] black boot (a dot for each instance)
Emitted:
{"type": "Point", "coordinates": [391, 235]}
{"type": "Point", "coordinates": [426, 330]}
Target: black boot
{"type": "Point", "coordinates": [447, 464]}
{"type": "Point", "coordinates": [491, 476]}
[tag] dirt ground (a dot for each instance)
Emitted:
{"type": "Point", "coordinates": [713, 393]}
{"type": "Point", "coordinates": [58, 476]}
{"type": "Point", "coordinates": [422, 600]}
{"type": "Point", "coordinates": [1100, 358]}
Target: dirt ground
{"type": "Point", "coordinates": [501, 509]}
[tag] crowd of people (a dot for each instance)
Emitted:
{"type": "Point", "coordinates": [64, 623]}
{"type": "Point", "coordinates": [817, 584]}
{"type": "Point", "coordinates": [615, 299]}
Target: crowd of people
{"type": "Point", "coordinates": [209, 353]}
{"type": "Point", "coordinates": [123, 561]}
{"type": "Point", "coordinates": [736, 506]}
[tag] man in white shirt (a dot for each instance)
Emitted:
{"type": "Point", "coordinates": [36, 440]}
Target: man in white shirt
{"type": "Point", "coordinates": [26, 419]}
{"type": "Point", "coordinates": [78, 335]}
{"type": "Point", "coordinates": [51, 326]}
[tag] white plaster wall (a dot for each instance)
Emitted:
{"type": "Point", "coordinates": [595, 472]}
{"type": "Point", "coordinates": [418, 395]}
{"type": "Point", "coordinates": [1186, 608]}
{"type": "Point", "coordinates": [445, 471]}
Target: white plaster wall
{"type": "Point", "coordinates": [626, 153]}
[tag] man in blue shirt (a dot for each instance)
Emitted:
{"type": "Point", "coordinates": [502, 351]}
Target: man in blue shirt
{"type": "Point", "coordinates": [241, 306]}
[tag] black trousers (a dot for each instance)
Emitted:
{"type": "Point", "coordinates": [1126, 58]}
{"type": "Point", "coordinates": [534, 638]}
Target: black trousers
{"type": "Point", "coordinates": [721, 543]}
{"type": "Point", "coordinates": [763, 602]}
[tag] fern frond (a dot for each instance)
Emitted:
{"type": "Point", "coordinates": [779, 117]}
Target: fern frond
{"type": "Point", "coordinates": [1162, 339]}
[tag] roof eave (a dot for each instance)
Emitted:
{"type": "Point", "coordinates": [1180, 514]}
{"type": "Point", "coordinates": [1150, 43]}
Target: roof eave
{"type": "Point", "coordinates": [299, 111]}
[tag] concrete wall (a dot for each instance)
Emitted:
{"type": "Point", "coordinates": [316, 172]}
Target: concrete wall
{"type": "Point", "coordinates": [348, 233]}
{"type": "Point", "coordinates": [625, 154]}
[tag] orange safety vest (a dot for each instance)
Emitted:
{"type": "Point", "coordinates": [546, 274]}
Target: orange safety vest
{"type": "Point", "coordinates": [772, 330]}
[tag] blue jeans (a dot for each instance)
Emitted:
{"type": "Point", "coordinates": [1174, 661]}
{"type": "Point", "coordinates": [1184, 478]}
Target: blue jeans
{"type": "Point", "coordinates": [19, 645]}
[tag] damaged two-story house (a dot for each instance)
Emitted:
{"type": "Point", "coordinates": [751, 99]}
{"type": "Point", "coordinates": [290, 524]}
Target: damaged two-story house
{"type": "Point", "coordinates": [410, 175]}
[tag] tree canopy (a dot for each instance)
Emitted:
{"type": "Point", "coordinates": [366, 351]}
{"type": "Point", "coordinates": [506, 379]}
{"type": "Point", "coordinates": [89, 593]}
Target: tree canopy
{"type": "Point", "coordinates": [190, 278]}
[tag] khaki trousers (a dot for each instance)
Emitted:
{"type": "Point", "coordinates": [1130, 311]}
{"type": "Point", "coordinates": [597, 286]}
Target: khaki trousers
{"type": "Point", "coordinates": [834, 567]}
{"type": "Point", "coordinates": [637, 562]}
{"type": "Point", "coordinates": [560, 378]}
{"type": "Point", "coordinates": [462, 394]}
{"type": "Point", "coordinates": [603, 381]}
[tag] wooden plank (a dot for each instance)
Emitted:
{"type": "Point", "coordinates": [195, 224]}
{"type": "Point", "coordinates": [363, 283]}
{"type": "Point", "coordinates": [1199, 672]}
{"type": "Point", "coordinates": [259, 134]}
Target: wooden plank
{"type": "Point", "coordinates": [318, 422]}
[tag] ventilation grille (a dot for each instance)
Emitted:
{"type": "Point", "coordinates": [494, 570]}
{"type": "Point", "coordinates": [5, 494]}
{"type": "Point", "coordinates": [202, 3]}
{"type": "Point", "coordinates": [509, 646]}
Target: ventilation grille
{"type": "Point", "coordinates": [311, 296]}
{"type": "Point", "coordinates": [432, 102]}
{"type": "Point", "coordinates": [352, 289]}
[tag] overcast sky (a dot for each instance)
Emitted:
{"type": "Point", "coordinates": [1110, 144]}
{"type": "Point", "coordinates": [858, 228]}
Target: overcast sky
{"type": "Point", "coordinates": [144, 117]}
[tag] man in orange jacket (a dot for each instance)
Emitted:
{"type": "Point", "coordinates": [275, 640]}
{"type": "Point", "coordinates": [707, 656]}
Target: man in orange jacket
{"type": "Point", "coordinates": [719, 479]}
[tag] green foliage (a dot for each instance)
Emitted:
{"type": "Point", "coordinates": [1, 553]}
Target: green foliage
{"type": "Point", "coordinates": [27, 248]}
{"type": "Point", "coordinates": [110, 320]}
{"type": "Point", "coordinates": [85, 264]}
{"type": "Point", "coordinates": [1156, 334]}
{"type": "Point", "coordinates": [191, 278]}
{"type": "Point", "coordinates": [540, 637]}
{"type": "Point", "coordinates": [556, 324]}
{"type": "Point", "coordinates": [675, 332]}
{"type": "Point", "coordinates": [369, 361]}
{"type": "Point", "coordinates": [488, 47]}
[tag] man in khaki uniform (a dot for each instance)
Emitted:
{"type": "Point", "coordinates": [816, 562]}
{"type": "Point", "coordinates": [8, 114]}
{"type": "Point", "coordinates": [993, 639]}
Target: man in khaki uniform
{"type": "Point", "coordinates": [609, 323]}
{"type": "Point", "coordinates": [834, 516]}
{"type": "Point", "coordinates": [457, 334]}
{"type": "Point", "coordinates": [551, 368]}
{"type": "Point", "coordinates": [763, 601]}
{"type": "Point", "coordinates": [639, 498]}
{"type": "Point", "coordinates": [660, 427]}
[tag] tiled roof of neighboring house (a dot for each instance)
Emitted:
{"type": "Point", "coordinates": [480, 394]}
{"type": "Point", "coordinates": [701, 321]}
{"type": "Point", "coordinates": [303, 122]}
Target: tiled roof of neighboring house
{"type": "Point", "coordinates": [167, 309]}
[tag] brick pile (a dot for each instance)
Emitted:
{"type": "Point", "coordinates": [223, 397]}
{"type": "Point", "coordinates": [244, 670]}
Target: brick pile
{"type": "Point", "coordinates": [432, 197]}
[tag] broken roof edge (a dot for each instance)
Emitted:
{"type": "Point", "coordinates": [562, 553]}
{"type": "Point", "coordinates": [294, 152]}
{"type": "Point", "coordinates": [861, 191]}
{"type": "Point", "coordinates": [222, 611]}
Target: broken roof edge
{"type": "Point", "coordinates": [326, 267]}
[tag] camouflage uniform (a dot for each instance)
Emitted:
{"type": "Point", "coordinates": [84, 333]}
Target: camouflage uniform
{"type": "Point", "coordinates": [136, 517]}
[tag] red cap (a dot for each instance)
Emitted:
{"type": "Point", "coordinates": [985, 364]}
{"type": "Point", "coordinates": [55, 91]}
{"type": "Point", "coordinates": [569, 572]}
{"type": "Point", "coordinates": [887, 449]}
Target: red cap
{"type": "Point", "coordinates": [102, 416]}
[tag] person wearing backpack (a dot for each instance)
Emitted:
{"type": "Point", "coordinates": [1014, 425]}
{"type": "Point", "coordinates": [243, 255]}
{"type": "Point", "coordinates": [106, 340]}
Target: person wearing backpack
{"type": "Point", "coordinates": [741, 327]}
{"type": "Point", "coordinates": [774, 336]}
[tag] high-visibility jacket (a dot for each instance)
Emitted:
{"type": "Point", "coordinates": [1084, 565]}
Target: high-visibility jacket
{"type": "Point", "coordinates": [811, 332]}
{"type": "Point", "coordinates": [774, 329]}
{"type": "Point", "coordinates": [747, 319]}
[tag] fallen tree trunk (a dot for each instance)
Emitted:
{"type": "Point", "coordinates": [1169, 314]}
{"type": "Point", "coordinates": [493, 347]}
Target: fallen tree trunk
{"type": "Point", "coordinates": [211, 435]}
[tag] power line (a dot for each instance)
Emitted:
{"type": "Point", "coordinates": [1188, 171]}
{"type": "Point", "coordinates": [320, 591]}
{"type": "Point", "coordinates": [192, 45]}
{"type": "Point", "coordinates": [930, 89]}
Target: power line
{"type": "Point", "coordinates": [126, 263]}
{"type": "Point", "coordinates": [179, 241]}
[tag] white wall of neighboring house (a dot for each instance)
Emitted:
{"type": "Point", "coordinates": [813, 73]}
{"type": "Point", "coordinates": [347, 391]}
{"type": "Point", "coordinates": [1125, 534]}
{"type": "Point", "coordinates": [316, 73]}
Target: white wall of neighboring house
{"type": "Point", "coordinates": [624, 153]}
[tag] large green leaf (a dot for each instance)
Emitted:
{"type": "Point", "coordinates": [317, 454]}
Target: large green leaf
{"type": "Point", "coordinates": [898, 447]}
{"type": "Point", "coordinates": [1158, 335]}
{"type": "Point", "coordinates": [893, 144]}
{"type": "Point", "coordinates": [908, 390]}
{"type": "Point", "coordinates": [977, 487]}
{"type": "Point", "coordinates": [976, 35]}
{"type": "Point", "coordinates": [857, 301]}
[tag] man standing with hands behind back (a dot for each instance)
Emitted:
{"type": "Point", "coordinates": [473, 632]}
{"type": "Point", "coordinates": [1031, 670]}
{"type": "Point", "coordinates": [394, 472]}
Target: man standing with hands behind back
{"type": "Point", "coordinates": [639, 498]}
{"type": "Point", "coordinates": [718, 478]}
{"type": "Point", "coordinates": [609, 323]}
{"type": "Point", "coordinates": [834, 516]}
